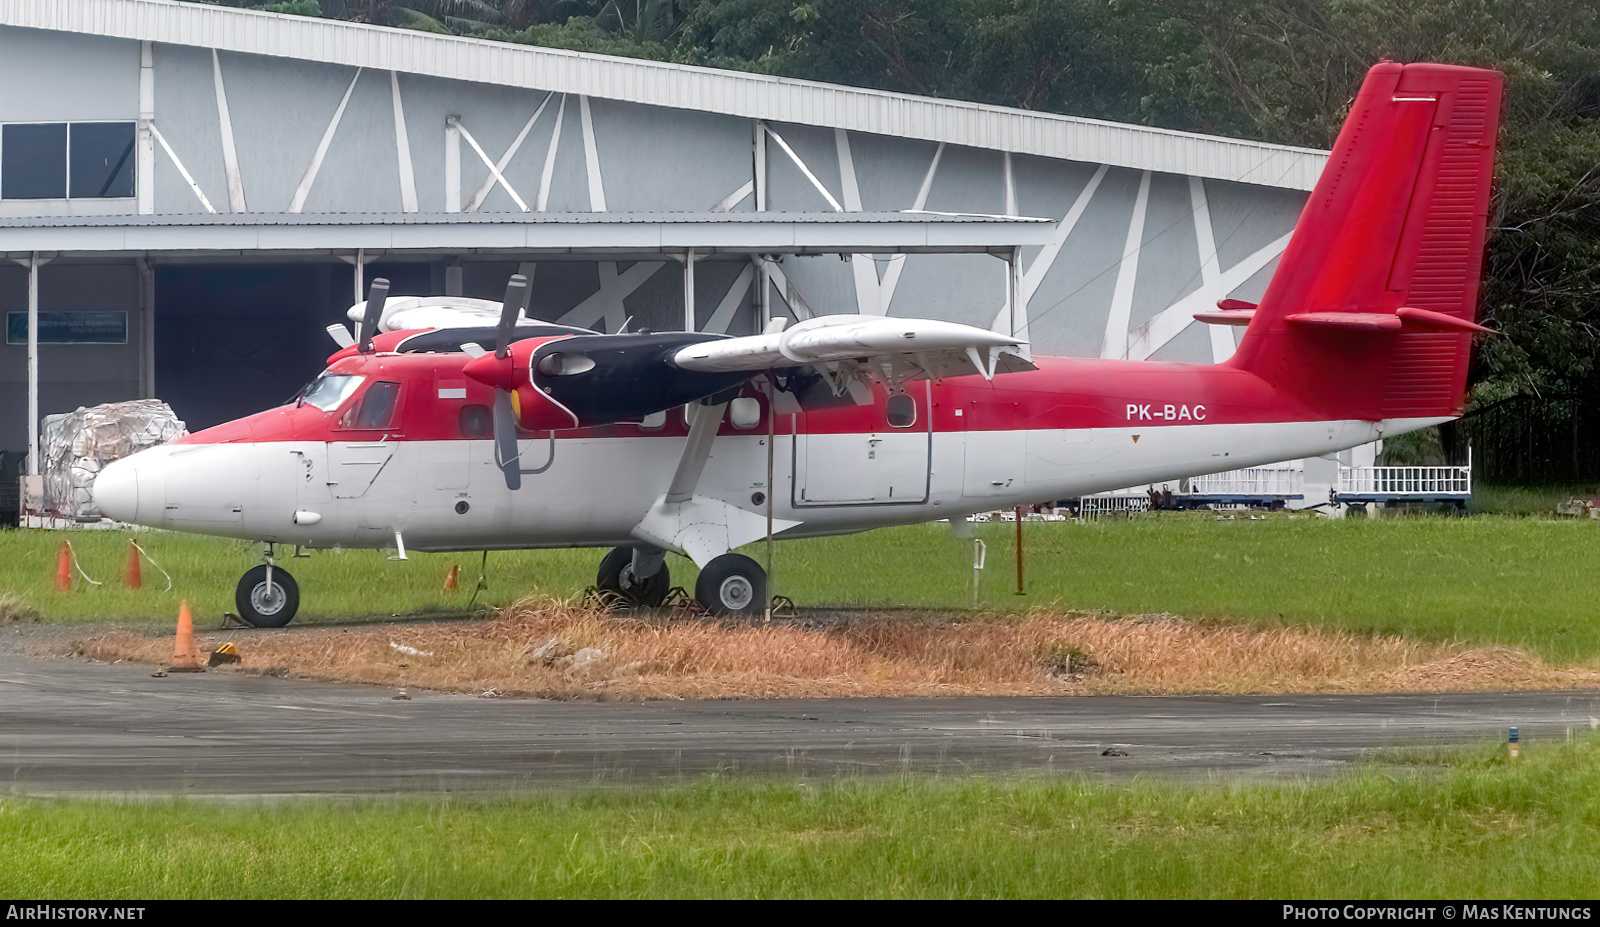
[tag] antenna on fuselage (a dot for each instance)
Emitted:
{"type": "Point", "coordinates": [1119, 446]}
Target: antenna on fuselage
{"type": "Point", "coordinates": [369, 322]}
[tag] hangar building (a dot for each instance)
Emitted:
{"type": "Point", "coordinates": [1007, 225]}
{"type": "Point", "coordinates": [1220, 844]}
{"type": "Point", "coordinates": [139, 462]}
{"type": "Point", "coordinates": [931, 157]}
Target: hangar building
{"type": "Point", "coordinates": [189, 194]}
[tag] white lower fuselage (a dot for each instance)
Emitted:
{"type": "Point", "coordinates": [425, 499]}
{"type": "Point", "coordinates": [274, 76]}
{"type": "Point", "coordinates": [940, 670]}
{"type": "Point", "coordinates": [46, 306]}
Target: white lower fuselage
{"type": "Point", "coordinates": [450, 495]}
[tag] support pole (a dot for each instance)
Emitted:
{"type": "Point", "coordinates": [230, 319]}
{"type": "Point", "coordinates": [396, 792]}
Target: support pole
{"type": "Point", "coordinates": [1019, 551]}
{"type": "Point", "coordinates": [452, 163]}
{"type": "Point", "coordinates": [147, 328]}
{"type": "Point", "coordinates": [688, 291]}
{"type": "Point", "coordinates": [760, 178]}
{"type": "Point", "coordinates": [764, 302]}
{"type": "Point", "coordinates": [144, 175]}
{"type": "Point", "coordinates": [771, 489]}
{"type": "Point", "coordinates": [1011, 291]}
{"type": "Point", "coordinates": [33, 364]}
{"type": "Point", "coordinates": [33, 262]}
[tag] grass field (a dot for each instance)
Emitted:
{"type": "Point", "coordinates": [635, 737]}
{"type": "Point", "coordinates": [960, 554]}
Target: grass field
{"type": "Point", "coordinates": [1523, 582]}
{"type": "Point", "coordinates": [1468, 824]}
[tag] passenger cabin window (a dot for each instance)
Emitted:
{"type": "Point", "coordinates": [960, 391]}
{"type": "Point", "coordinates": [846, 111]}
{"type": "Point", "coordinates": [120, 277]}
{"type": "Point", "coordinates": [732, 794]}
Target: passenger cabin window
{"type": "Point", "coordinates": [901, 410]}
{"type": "Point", "coordinates": [375, 411]}
{"type": "Point", "coordinates": [476, 421]}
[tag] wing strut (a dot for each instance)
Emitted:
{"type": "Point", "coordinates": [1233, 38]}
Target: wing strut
{"type": "Point", "coordinates": [699, 526]}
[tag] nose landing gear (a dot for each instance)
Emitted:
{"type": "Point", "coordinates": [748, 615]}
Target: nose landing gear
{"type": "Point", "coordinates": [267, 596]}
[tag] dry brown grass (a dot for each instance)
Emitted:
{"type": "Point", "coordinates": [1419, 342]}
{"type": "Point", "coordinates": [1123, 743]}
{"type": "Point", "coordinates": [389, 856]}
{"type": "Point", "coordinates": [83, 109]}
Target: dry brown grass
{"type": "Point", "coordinates": [868, 656]}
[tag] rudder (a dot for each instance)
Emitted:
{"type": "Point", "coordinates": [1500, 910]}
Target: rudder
{"type": "Point", "coordinates": [1371, 311]}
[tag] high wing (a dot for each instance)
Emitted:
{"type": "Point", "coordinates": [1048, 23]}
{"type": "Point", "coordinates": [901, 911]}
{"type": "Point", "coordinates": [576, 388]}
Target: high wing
{"type": "Point", "coordinates": [842, 346]}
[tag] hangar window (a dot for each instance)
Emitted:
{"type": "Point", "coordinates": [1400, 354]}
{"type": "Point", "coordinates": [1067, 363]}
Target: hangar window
{"type": "Point", "coordinates": [58, 160]}
{"type": "Point", "coordinates": [100, 159]}
{"type": "Point", "coordinates": [33, 162]}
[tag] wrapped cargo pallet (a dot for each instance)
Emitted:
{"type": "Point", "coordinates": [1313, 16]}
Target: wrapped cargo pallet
{"type": "Point", "coordinates": [76, 445]}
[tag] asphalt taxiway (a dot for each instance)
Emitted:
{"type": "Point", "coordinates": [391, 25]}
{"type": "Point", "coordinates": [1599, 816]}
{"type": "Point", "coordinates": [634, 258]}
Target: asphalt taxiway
{"type": "Point", "coordinates": [69, 726]}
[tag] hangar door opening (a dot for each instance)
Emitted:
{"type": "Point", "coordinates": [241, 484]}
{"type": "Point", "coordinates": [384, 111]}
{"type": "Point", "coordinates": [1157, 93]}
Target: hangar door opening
{"type": "Point", "coordinates": [232, 339]}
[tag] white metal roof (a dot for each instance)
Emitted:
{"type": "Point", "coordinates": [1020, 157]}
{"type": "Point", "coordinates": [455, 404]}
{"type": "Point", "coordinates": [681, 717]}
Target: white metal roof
{"type": "Point", "coordinates": [542, 233]}
{"type": "Point", "coordinates": [675, 85]}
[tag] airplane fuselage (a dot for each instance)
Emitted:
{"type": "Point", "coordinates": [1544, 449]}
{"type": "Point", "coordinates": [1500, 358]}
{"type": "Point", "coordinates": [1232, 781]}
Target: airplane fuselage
{"type": "Point", "coordinates": [322, 478]}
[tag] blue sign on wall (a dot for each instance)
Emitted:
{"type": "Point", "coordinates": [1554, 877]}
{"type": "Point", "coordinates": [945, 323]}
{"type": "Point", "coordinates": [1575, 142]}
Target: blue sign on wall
{"type": "Point", "coordinates": [96, 326]}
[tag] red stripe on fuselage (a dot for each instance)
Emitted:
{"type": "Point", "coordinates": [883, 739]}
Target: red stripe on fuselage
{"type": "Point", "coordinates": [1062, 393]}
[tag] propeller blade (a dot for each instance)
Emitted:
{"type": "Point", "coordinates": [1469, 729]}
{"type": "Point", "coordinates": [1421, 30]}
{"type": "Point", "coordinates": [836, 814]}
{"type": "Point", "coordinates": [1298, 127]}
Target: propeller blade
{"type": "Point", "coordinates": [369, 322]}
{"type": "Point", "coordinates": [516, 300]}
{"type": "Point", "coordinates": [340, 335]}
{"type": "Point", "coordinates": [505, 440]}
{"type": "Point", "coordinates": [473, 350]}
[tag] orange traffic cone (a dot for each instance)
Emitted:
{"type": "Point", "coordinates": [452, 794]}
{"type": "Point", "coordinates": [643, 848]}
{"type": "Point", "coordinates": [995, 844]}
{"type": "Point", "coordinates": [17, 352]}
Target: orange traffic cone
{"type": "Point", "coordinates": [185, 655]}
{"type": "Point", "coordinates": [132, 577]}
{"type": "Point", "coordinates": [64, 569]}
{"type": "Point", "coordinates": [451, 577]}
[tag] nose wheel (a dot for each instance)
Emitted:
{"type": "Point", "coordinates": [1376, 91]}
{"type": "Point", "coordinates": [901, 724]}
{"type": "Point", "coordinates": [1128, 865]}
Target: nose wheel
{"type": "Point", "coordinates": [264, 602]}
{"type": "Point", "coordinates": [732, 585]}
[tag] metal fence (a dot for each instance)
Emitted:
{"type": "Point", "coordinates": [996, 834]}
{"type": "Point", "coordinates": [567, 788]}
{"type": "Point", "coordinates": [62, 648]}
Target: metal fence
{"type": "Point", "coordinates": [1251, 481]}
{"type": "Point", "coordinates": [1096, 506]}
{"type": "Point", "coordinates": [1406, 481]}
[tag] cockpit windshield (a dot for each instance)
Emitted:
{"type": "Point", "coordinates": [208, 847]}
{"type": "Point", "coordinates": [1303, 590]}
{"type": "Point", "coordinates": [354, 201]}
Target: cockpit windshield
{"type": "Point", "coordinates": [329, 390]}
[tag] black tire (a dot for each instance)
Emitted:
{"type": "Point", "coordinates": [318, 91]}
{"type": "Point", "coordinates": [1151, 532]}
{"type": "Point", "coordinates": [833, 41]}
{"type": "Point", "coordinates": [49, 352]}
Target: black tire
{"type": "Point", "coordinates": [263, 609]}
{"type": "Point", "coordinates": [616, 575]}
{"type": "Point", "coordinates": [733, 585]}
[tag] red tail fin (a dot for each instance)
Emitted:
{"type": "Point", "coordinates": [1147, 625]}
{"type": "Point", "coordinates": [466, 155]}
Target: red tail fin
{"type": "Point", "coordinates": [1371, 310]}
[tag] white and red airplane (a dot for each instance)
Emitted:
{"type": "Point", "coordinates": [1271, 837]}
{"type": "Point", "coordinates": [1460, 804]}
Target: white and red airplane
{"type": "Point", "coordinates": [561, 437]}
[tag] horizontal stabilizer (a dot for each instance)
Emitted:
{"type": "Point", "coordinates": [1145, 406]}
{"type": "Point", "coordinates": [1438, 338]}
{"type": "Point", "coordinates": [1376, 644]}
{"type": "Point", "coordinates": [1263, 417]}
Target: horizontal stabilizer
{"type": "Point", "coordinates": [1404, 317]}
{"type": "Point", "coordinates": [1227, 316]}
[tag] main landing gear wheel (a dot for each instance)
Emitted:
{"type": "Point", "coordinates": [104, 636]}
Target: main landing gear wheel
{"type": "Point", "coordinates": [732, 585]}
{"type": "Point", "coordinates": [616, 575]}
{"type": "Point", "coordinates": [267, 606]}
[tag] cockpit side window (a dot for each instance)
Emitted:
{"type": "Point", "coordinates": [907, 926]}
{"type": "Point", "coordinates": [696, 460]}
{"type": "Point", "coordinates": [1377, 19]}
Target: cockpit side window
{"type": "Point", "coordinates": [329, 390]}
{"type": "Point", "coordinates": [376, 409]}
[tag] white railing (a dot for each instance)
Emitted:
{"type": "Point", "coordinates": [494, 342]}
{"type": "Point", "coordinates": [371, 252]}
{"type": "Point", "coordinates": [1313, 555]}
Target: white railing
{"type": "Point", "coordinates": [1405, 481]}
{"type": "Point", "coordinates": [1251, 481]}
{"type": "Point", "coordinates": [1108, 504]}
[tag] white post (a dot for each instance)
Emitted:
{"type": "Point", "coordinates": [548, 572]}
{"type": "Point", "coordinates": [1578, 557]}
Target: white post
{"type": "Point", "coordinates": [33, 364]}
{"type": "Point", "coordinates": [688, 291]}
{"type": "Point", "coordinates": [764, 300]}
{"type": "Point", "coordinates": [452, 163]}
{"type": "Point", "coordinates": [145, 165]}
{"type": "Point", "coordinates": [760, 129]}
{"type": "Point", "coordinates": [1019, 300]}
{"type": "Point", "coordinates": [1011, 293]}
